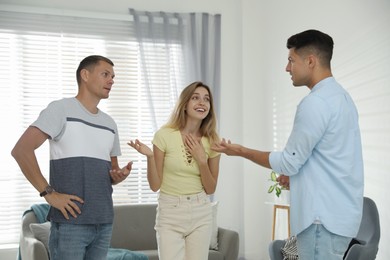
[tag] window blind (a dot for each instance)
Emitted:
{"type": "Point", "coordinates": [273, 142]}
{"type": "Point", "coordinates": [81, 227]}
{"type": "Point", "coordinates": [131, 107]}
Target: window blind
{"type": "Point", "coordinates": [39, 55]}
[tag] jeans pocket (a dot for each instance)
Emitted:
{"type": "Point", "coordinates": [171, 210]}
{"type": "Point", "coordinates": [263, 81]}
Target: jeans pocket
{"type": "Point", "coordinates": [339, 244]}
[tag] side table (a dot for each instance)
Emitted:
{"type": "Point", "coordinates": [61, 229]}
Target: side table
{"type": "Point", "coordinates": [279, 206]}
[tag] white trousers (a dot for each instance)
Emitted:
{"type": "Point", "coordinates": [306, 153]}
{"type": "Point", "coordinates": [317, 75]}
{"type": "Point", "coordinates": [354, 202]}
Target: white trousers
{"type": "Point", "coordinates": [183, 226]}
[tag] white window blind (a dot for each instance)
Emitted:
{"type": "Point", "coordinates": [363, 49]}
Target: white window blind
{"type": "Point", "coordinates": [39, 55]}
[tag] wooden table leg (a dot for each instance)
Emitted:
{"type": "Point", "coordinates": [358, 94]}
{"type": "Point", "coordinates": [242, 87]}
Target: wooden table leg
{"type": "Point", "coordinates": [273, 223]}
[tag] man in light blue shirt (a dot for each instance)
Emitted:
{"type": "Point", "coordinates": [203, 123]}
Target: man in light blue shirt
{"type": "Point", "coordinates": [322, 161]}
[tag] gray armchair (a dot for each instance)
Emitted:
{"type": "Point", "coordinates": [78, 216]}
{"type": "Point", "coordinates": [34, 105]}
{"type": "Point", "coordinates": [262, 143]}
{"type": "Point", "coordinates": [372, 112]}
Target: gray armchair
{"type": "Point", "coordinates": [363, 247]}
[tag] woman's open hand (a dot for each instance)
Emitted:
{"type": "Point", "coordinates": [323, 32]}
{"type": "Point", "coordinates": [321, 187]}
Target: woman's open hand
{"type": "Point", "coordinates": [141, 147]}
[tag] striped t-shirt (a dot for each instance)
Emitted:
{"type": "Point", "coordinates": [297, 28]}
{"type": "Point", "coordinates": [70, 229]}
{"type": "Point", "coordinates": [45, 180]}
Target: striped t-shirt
{"type": "Point", "coordinates": [81, 147]}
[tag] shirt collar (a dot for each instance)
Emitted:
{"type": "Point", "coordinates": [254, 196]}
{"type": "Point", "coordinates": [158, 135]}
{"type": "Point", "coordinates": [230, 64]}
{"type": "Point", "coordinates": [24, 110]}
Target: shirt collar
{"type": "Point", "coordinates": [322, 83]}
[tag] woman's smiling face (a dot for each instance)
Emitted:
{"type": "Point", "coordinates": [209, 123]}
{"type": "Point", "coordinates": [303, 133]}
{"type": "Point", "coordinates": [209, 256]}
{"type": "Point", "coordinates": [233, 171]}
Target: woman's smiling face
{"type": "Point", "coordinates": [199, 104]}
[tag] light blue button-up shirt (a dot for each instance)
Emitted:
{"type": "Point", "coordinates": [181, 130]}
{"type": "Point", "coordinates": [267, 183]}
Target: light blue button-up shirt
{"type": "Point", "coordinates": [323, 157]}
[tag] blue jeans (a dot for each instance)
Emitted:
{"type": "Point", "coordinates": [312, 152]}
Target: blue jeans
{"type": "Point", "coordinates": [79, 242]}
{"type": "Point", "coordinates": [317, 243]}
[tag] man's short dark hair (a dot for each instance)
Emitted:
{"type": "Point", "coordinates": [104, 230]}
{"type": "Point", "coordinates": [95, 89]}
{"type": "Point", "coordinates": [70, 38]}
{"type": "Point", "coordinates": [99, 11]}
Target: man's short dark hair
{"type": "Point", "coordinates": [315, 42]}
{"type": "Point", "coordinates": [89, 63]}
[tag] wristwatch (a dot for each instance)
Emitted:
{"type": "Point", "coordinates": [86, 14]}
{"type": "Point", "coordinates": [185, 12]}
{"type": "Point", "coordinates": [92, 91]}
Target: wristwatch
{"type": "Point", "coordinates": [48, 190]}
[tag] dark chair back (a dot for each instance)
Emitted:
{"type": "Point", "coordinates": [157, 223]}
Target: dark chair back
{"type": "Point", "coordinates": [368, 235]}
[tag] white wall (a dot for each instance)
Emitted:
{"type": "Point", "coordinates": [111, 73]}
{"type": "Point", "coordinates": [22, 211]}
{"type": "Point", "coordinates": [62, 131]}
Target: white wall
{"type": "Point", "coordinates": [254, 56]}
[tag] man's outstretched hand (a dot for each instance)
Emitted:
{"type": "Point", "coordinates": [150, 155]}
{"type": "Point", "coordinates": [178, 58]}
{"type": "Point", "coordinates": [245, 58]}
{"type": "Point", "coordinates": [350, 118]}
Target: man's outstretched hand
{"type": "Point", "coordinates": [227, 147]}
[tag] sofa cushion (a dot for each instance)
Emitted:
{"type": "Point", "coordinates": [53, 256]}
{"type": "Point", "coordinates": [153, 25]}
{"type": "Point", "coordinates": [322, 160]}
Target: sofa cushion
{"type": "Point", "coordinates": [41, 232]}
{"type": "Point", "coordinates": [215, 255]}
{"type": "Point", "coordinates": [134, 221]}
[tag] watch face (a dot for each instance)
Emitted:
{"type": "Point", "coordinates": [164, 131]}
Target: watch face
{"type": "Point", "coordinates": [49, 189]}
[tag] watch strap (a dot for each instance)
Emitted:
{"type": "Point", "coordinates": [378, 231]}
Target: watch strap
{"type": "Point", "coordinates": [43, 193]}
{"type": "Point", "coordinates": [49, 189]}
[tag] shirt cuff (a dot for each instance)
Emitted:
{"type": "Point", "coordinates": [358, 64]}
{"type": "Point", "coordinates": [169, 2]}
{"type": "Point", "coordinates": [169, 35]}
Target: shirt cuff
{"type": "Point", "coordinates": [274, 161]}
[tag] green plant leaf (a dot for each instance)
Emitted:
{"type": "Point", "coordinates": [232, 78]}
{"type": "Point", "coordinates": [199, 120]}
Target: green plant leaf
{"type": "Point", "coordinates": [278, 191]}
{"type": "Point", "coordinates": [273, 176]}
{"type": "Point", "coordinates": [271, 188]}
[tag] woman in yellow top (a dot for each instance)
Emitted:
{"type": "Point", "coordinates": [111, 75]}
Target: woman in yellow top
{"type": "Point", "coordinates": [185, 171]}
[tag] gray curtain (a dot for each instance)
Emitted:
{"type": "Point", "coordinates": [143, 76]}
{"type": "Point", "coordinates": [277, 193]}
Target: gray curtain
{"type": "Point", "coordinates": [198, 35]}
